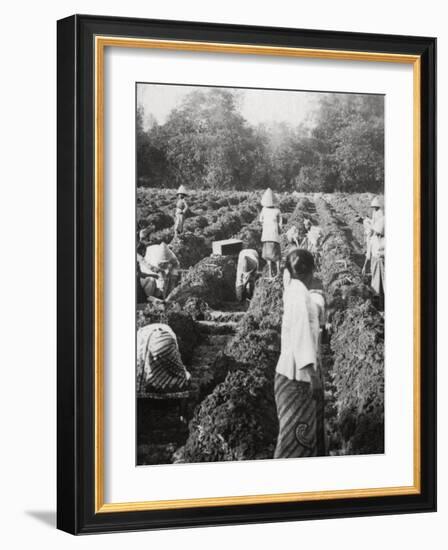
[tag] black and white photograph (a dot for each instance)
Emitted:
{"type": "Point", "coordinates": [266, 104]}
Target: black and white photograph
{"type": "Point", "coordinates": [234, 334]}
{"type": "Point", "coordinates": [260, 274]}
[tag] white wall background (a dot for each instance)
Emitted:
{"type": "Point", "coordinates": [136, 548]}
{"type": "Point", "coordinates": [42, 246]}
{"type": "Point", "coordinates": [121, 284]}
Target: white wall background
{"type": "Point", "coordinates": [28, 281]}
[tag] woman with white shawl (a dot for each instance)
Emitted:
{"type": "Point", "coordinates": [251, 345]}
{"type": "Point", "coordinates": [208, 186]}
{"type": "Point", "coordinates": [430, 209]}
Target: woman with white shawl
{"type": "Point", "coordinates": [298, 377]}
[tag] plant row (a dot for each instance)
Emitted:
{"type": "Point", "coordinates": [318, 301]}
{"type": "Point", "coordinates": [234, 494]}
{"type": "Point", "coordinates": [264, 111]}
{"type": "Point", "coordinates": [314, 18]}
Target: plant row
{"type": "Point", "coordinates": [159, 220]}
{"type": "Point", "coordinates": [352, 209]}
{"type": "Point", "coordinates": [155, 202]}
{"type": "Point", "coordinates": [357, 342]}
{"type": "Point", "coordinates": [191, 246]}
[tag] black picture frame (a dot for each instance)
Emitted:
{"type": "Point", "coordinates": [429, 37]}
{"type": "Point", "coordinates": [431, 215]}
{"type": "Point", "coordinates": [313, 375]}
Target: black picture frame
{"type": "Point", "coordinates": [76, 271]}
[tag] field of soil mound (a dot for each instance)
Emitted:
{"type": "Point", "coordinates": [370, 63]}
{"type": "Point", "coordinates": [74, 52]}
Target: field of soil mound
{"type": "Point", "coordinates": [212, 280]}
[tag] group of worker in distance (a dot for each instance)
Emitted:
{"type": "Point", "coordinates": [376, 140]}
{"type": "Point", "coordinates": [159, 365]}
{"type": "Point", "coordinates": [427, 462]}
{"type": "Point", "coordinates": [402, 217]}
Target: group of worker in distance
{"type": "Point", "coordinates": [298, 385]}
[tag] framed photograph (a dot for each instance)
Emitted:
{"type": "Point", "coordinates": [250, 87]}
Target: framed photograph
{"type": "Point", "coordinates": [246, 274]}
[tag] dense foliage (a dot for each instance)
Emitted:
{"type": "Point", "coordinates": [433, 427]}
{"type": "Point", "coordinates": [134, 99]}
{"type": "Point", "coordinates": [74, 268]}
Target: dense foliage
{"type": "Point", "coordinates": [207, 143]}
{"type": "Point", "coordinates": [349, 135]}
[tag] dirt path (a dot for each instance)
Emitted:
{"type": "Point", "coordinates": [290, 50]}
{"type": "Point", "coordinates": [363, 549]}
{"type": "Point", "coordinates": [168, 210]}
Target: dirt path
{"type": "Point", "coordinates": [354, 238]}
{"type": "Point", "coordinates": [348, 215]}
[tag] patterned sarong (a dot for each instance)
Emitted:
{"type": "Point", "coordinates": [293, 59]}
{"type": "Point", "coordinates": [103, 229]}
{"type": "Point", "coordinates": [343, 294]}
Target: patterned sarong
{"type": "Point", "coordinates": [296, 410]}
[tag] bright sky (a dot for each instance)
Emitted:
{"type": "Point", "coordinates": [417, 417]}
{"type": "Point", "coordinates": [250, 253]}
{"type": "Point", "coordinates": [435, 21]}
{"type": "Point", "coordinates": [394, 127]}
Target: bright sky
{"type": "Point", "coordinates": [257, 106]}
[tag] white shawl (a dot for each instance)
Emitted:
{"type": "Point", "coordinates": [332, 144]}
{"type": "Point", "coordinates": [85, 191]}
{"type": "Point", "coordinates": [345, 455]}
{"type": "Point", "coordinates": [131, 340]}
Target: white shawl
{"type": "Point", "coordinates": [300, 332]}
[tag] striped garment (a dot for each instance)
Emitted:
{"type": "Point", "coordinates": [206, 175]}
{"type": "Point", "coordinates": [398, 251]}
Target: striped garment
{"type": "Point", "coordinates": [300, 333]}
{"type": "Point", "coordinates": [297, 415]}
{"type": "Point", "coordinates": [159, 365]}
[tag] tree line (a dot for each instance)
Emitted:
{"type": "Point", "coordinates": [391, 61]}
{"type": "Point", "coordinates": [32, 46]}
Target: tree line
{"type": "Point", "coordinates": [207, 143]}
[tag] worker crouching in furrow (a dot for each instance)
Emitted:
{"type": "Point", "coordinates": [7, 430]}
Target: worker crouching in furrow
{"type": "Point", "coordinates": [313, 240]}
{"type": "Point", "coordinates": [246, 274]}
{"type": "Point", "coordinates": [158, 271]}
{"type": "Point", "coordinates": [292, 236]}
{"type": "Point", "coordinates": [159, 365]}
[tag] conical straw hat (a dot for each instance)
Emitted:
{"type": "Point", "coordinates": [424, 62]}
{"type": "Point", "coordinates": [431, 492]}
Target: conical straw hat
{"type": "Point", "coordinates": [163, 254]}
{"type": "Point", "coordinates": [181, 190]}
{"type": "Point", "coordinates": [268, 198]}
{"type": "Point", "coordinates": [375, 203]}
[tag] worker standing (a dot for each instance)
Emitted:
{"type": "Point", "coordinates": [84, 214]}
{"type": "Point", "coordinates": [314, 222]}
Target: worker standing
{"type": "Point", "coordinates": [298, 382]}
{"type": "Point", "coordinates": [181, 211]}
{"type": "Point", "coordinates": [271, 220]}
{"type": "Point", "coordinates": [375, 253]}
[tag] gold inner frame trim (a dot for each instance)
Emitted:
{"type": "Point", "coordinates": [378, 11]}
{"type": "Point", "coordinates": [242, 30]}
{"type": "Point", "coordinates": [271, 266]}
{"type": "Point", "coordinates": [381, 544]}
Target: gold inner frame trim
{"type": "Point", "coordinates": [101, 42]}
